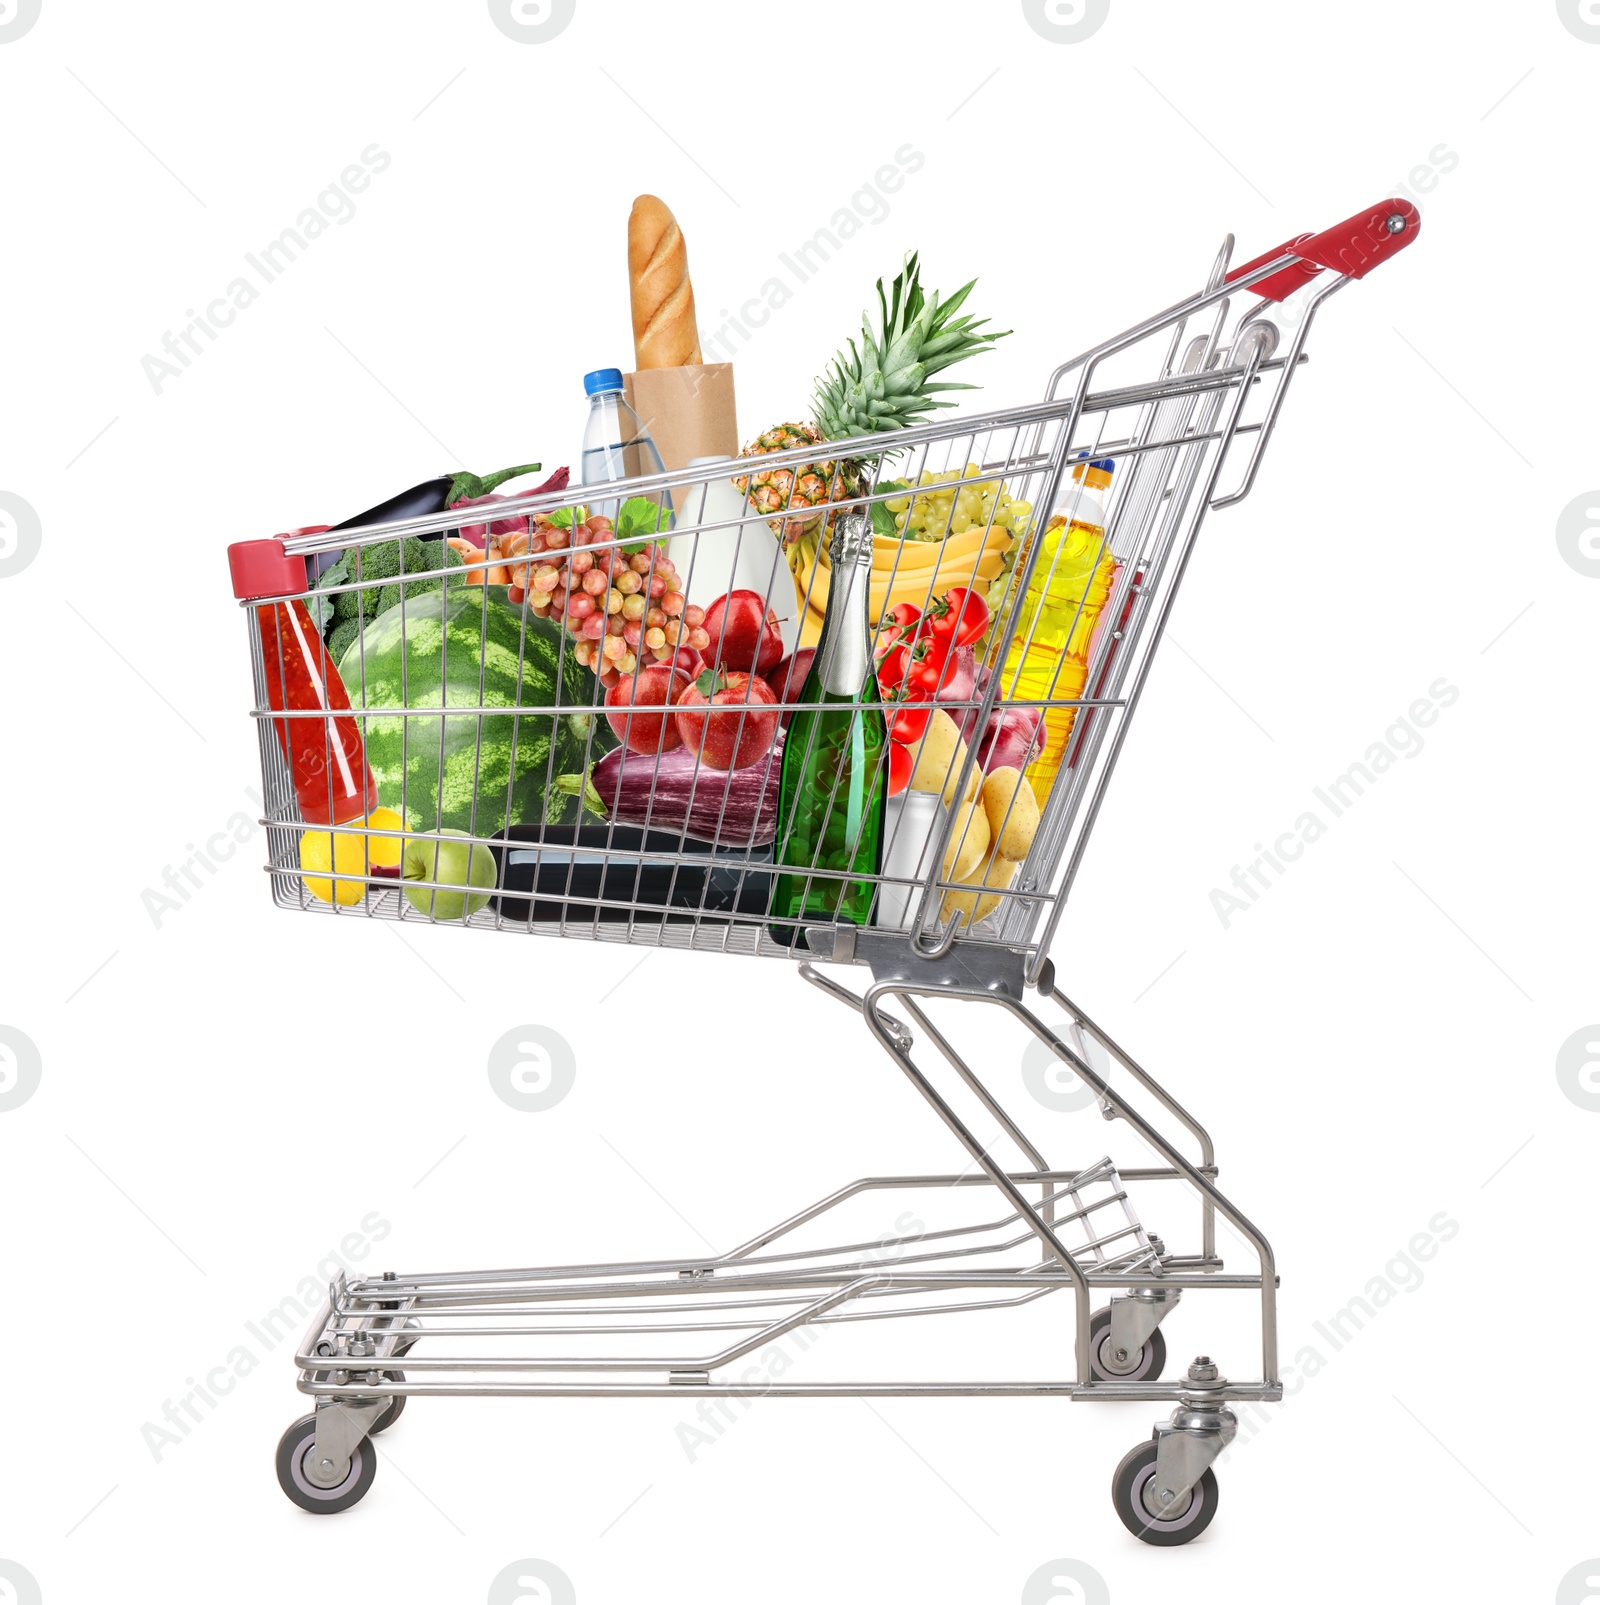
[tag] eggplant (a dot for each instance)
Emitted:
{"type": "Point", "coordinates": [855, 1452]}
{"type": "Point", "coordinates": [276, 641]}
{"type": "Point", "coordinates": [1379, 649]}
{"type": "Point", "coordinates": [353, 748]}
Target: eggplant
{"type": "Point", "coordinates": [677, 793]}
{"type": "Point", "coordinates": [431, 496]}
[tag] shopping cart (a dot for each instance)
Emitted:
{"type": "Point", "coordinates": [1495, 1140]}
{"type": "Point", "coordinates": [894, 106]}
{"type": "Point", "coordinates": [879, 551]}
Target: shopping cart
{"type": "Point", "coordinates": [1003, 1233]}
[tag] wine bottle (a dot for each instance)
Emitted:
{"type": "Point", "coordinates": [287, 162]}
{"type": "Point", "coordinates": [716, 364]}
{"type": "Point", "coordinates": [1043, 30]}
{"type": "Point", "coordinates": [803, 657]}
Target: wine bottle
{"type": "Point", "coordinates": [834, 782]}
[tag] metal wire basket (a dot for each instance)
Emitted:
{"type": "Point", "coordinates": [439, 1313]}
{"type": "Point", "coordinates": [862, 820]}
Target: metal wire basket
{"type": "Point", "coordinates": [1174, 438]}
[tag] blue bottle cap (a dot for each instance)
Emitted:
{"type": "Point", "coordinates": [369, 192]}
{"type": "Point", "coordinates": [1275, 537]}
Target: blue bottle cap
{"type": "Point", "coordinates": [602, 380]}
{"type": "Point", "coordinates": [1107, 463]}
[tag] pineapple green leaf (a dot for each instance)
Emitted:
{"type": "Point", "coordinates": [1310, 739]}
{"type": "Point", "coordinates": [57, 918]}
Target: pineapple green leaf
{"type": "Point", "coordinates": [884, 384]}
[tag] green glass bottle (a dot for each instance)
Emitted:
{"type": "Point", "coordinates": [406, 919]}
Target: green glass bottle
{"type": "Point", "coordinates": [835, 777]}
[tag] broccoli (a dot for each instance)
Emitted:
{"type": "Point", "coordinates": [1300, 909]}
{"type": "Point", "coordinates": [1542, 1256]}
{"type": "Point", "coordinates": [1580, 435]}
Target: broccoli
{"type": "Point", "coordinates": [440, 554]}
{"type": "Point", "coordinates": [375, 566]}
{"type": "Point", "coordinates": [343, 635]}
{"type": "Point", "coordinates": [427, 555]}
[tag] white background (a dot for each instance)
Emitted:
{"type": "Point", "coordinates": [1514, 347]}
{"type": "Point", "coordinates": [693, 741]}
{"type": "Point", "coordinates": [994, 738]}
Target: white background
{"type": "Point", "coordinates": [226, 1096]}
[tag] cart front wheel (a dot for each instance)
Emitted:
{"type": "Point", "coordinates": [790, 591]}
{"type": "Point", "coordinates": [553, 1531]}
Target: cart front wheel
{"type": "Point", "coordinates": [294, 1450]}
{"type": "Point", "coordinates": [1133, 1493]}
{"type": "Point", "coordinates": [1142, 1364]}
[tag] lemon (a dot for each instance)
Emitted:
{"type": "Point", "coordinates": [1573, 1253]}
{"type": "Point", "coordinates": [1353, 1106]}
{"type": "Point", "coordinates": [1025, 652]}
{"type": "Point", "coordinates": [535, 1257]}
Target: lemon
{"type": "Point", "coordinates": [383, 852]}
{"type": "Point", "coordinates": [339, 851]}
{"type": "Point", "coordinates": [349, 852]}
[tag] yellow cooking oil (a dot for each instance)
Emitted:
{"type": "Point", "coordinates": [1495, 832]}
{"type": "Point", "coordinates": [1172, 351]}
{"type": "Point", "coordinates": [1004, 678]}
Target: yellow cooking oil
{"type": "Point", "coordinates": [1048, 658]}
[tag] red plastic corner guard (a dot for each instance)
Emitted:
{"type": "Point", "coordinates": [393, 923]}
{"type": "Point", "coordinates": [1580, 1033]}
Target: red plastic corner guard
{"type": "Point", "coordinates": [1353, 248]}
{"type": "Point", "coordinates": [263, 568]}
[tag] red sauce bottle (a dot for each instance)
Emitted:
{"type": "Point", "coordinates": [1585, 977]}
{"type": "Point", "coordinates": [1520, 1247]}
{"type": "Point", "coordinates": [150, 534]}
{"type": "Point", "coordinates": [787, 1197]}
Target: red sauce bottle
{"type": "Point", "coordinates": [332, 780]}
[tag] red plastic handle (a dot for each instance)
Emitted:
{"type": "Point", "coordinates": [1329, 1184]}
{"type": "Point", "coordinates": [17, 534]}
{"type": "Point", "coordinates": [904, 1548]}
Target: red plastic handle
{"type": "Point", "coordinates": [263, 568]}
{"type": "Point", "coordinates": [1280, 286]}
{"type": "Point", "coordinates": [1354, 248]}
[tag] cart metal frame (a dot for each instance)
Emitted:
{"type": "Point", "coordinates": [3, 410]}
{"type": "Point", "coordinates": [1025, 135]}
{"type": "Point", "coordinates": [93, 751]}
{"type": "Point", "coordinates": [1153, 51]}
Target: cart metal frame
{"type": "Point", "coordinates": [686, 1326]}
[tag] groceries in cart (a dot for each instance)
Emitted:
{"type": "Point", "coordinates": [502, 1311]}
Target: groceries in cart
{"type": "Point", "coordinates": [333, 782]}
{"type": "Point", "coordinates": [1047, 658]}
{"type": "Point", "coordinates": [707, 654]}
{"type": "Point", "coordinates": [834, 780]}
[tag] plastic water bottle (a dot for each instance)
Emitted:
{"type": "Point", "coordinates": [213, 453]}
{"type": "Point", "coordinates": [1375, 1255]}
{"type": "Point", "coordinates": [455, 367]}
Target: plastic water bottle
{"type": "Point", "coordinates": [616, 445]}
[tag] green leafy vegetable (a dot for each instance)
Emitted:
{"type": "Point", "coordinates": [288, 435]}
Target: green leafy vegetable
{"type": "Point", "coordinates": [328, 610]}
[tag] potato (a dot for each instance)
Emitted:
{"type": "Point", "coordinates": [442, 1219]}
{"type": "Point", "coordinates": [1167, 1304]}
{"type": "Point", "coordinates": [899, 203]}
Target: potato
{"type": "Point", "coordinates": [939, 757]}
{"type": "Point", "coordinates": [976, 905]}
{"type": "Point", "coordinates": [1013, 812]}
{"type": "Point", "coordinates": [969, 842]}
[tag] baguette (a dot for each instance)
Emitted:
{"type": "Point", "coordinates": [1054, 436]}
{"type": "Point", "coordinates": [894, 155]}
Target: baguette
{"type": "Point", "coordinates": [665, 334]}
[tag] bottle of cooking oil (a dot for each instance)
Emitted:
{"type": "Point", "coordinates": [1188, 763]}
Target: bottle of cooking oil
{"type": "Point", "coordinates": [1048, 657]}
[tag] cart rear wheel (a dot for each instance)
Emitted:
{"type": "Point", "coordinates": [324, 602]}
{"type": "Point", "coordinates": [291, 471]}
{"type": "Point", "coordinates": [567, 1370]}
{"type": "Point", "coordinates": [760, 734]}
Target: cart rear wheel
{"type": "Point", "coordinates": [294, 1448]}
{"type": "Point", "coordinates": [1132, 1485]}
{"type": "Point", "coordinates": [391, 1413]}
{"type": "Point", "coordinates": [1144, 1364]}
{"type": "Point", "coordinates": [398, 1402]}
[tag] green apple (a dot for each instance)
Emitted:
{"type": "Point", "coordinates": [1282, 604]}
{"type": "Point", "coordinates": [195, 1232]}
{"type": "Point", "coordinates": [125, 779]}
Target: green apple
{"type": "Point", "coordinates": [449, 863]}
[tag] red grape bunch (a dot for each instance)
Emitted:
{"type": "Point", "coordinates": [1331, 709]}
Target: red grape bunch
{"type": "Point", "coordinates": [624, 608]}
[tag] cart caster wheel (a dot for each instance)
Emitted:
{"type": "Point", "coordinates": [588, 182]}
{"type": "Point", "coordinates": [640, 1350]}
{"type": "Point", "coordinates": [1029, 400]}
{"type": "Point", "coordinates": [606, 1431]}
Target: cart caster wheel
{"type": "Point", "coordinates": [398, 1402]}
{"type": "Point", "coordinates": [293, 1449]}
{"type": "Point", "coordinates": [1145, 1364]}
{"type": "Point", "coordinates": [1129, 1487]}
{"type": "Point", "coordinates": [396, 1405]}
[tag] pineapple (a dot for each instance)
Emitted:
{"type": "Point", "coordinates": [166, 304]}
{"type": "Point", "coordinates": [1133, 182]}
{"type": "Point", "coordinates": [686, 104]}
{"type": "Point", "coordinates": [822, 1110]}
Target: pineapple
{"type": "Point", "coordinates": [780, 490]}
{"type": "Point", "coordinates": [881, 387]}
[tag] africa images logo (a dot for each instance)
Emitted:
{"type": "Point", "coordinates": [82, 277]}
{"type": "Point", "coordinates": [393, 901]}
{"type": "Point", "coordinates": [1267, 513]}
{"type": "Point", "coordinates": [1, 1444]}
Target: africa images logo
{"type": "Point", "coordinates": [16, 18]}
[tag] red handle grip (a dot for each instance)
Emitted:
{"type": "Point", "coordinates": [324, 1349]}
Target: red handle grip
{"type": "Point", "coordinates": [263, 568]}
{"type": "Point", "coordinates": [1279, 286]}
{"type": "Point", "coordinates": [1354, 248]}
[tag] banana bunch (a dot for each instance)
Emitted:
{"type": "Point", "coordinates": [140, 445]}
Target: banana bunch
{"type": "Point", "coordinates": [904, 571]}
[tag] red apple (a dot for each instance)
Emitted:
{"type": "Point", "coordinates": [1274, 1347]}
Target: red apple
{"type": "Point", "coordinates": [742, 729]}
{"type": "Point", "coordinates": [659, 685]}
{"type": "Point", "coordinates": [745, 638]}
{"type": "Point", "coordinates": [788, 680]}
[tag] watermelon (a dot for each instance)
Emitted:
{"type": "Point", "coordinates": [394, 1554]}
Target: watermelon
{"type": "Point", "coordinates": [471, 648]}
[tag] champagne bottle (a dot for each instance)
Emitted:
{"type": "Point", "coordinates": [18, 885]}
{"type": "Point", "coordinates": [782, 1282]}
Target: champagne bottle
{"type": "Point", "coordinates": [835, 776]}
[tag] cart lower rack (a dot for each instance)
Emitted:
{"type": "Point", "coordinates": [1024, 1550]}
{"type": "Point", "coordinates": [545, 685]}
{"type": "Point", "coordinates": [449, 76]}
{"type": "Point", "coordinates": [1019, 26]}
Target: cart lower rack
{"type": "Point", "coordinates": [1024, 1231]}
